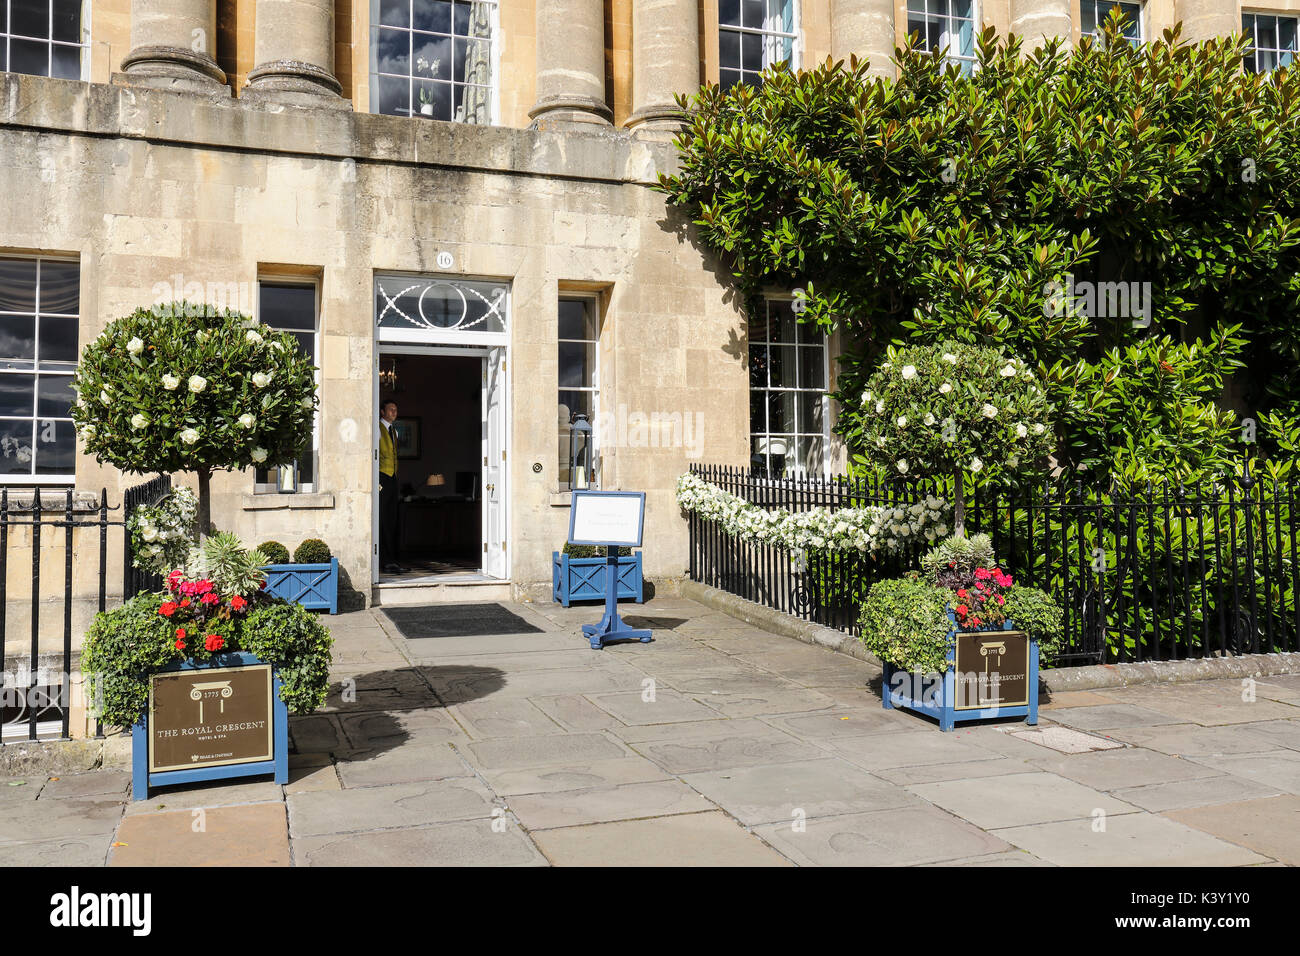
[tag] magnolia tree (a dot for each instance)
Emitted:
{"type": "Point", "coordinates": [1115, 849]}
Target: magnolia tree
{"type": "Point", "coordinates": [950, 409]}
{"type": "Point", "coordinates": [168, 390]}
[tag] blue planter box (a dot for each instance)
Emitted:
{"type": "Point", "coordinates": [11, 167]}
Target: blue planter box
{"type": "Point", "coordinates": [583, 579]}
{"type": "Point", "coordinates": [938, 695]}
{"type": "Point", "coordinates": [314, 586]}
{"type": "Point", "coordinates": [278, 765]}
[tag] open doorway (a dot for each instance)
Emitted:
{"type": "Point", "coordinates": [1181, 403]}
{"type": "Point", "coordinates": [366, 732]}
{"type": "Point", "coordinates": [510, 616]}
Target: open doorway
{"type": "Point", "coordinates": [438, 442]}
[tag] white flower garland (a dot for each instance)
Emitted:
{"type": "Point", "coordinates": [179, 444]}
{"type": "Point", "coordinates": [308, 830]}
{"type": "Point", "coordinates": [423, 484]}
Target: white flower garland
{"type": "Point", "coordinates": [161, 534]}
{"type": "Point", "coordinates": [871, 529]}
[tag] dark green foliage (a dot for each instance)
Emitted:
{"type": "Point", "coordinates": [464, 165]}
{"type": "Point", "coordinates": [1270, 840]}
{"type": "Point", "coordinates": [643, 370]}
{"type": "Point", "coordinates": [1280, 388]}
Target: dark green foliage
{"type": "Point", "coordinates": [121, 646]}
{"type": "Point", "coordinates": [939, 206]}
{"type": "Point", "coordinates": [275, 552]}
{"type": "Point", "coordinates": [294, 640]}
{"type": "Point", "coordinates": [591, 551]}
{"type": "Point", "coordinates": [905, 622]}
{"type": "Point", "coordinates": [1033, 612]}
{"type": "Point", "coordinates": [312, 551]}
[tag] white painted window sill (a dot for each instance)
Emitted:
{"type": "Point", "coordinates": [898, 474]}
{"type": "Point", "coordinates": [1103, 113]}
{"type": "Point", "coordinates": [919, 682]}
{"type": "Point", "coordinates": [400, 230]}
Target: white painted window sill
{"type": "Point", "coordinates": [299, 502]}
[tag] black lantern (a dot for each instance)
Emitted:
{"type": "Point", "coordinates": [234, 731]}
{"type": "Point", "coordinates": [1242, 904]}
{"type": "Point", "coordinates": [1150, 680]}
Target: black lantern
{"type": "Point", "coordinates": [579, 453]}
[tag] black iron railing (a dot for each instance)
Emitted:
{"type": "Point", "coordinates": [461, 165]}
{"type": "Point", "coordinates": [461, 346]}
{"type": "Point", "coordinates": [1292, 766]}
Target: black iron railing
{"type": "Point", "coordinates": [1142, 572]}
{"type": "Point", "coordinates": [49, 529]}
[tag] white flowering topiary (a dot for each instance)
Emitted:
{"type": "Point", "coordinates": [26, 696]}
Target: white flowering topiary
{"type": "Point", "coordinates": [818, 529]}
{"type": "Point", "coordinates": [178, 388]}
{"type": "Point", "coordinates": [952, 409]}
{"type": "Point", "coordinates": [162, 534]}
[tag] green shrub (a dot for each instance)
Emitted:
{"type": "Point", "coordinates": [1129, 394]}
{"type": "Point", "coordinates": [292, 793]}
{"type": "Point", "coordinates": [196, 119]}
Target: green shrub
{"type": "Point", "coordinates": [275, 552]}
{"type": "Point", "coordinates": [292, 639]}
{"type": "Point", "coordinates": [591, 551]}
{"type": "Point", "coordinates": [312, 551]}
{"type": "Point", "coordinates": [1035, 613]}
{"type": "Point", "coordinates": [905, 622]}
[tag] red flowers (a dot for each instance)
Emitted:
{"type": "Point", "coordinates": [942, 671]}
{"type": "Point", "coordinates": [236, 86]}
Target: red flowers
{"type": "Point", "coordinates": [185, 602]}
{"type": "Point", "coordinates": [180, 633]}
{"type": "Point", "coordinates": [210, 598]}
{"type": "Point", "coordinates": [238, 603]}
{"type": "Point", "coordinates": [961, 592]}
{"type": "Point", "coordinates": [981, 604]}
{"type": "Point", "coordinates": [195, 588]}
{"type": "Point", "coordinates": [167, 608]}
{"type": "Point", "coordinates": [174, 578]}
{"type": "Point", "coordinates": [214, 642]}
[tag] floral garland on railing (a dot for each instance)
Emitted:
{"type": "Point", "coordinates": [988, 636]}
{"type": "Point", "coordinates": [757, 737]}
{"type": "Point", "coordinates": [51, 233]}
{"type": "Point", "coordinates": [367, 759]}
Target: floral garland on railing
{"type": "Point", "coordinates": [874, 528]}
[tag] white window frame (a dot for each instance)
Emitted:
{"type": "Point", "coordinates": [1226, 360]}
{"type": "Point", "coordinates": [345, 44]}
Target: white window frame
{"type": "Point", "coordinates": [494, 55]}
{"type": "Point", "coordinates": [273, 487]}
{"type": "Point", "coordinates": [768, 389]}
{"type": "Point", "coordinates": [49, 41]}
{"type": "Point", "coordinates": [1101, 10]}
{"type": "Point", "coordinates": [593, 303]}
{"type": "Point", "coordinates": [1254, 15]}
{"type": "Point", "coordinates": [967, 63]}
{"type": "Point", "coordinates": [33, 480]}
{"type": "Point", "coordinates": [771, 34]}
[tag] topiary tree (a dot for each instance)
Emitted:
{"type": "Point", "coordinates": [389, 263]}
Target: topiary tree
{"type": "Point", "coordinates": [312, 551]}
{"type": "Point", "coordinates": [947, 409]}
{"type": "Point", "coordinates": [182, 388]}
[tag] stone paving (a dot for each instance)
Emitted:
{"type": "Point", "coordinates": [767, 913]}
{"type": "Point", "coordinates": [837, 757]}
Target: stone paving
{"type": "Point", "coordinates": [717, 744]}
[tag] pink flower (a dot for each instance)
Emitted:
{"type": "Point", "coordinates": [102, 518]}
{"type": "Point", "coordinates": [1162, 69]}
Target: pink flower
{"type": "Point", "coordinates": [210, 598]}
{"type": "Point", "coordinates": [1000, 599]}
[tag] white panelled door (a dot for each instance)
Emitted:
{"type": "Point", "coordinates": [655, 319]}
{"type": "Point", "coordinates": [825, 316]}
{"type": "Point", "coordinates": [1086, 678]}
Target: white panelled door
{"type": "Point", "coordinates": [495, 403]}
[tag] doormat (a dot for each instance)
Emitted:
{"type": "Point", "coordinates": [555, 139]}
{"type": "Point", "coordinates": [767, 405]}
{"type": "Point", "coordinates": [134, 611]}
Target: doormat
{"type": "Point", "coordinates": [457, 620]}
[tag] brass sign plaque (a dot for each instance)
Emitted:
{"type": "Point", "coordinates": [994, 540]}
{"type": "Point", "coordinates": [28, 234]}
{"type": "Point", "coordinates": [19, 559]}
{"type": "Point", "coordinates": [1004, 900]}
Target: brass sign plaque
{"type": "Point", "coordinates": [992, 669]}
{"type": "Point", "coordinates": [210, 717]}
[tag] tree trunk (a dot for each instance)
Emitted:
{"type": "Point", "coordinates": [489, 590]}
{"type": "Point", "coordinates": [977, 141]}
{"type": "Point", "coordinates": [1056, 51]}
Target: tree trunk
{"type": "Point", "coordinates": [204, 522]}
{"type": "Point", "coordinates": [958, 505]}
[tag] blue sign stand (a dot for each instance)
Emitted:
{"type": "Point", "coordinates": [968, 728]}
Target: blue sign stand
{"type": "Point", "coordinates": [621, 526]}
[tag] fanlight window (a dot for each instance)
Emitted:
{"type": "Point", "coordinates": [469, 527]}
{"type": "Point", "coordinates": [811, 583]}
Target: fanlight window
{"type": "Point", "coordinates": [440, 306]}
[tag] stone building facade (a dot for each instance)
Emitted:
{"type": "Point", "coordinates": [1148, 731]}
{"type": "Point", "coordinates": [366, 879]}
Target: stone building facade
{"type": "Point", "coordinates": [450, 204]}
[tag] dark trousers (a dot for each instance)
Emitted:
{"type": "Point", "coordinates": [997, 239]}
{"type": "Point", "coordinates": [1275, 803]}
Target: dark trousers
{"type": "Point", "coordinates": [387, 519]}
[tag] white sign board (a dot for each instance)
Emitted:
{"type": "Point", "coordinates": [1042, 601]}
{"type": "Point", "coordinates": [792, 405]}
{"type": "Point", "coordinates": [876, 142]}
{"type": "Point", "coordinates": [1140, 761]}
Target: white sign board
{"type": "Point", "coordinates": [607, 518]}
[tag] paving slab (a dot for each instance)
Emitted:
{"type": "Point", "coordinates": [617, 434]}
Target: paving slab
{"type": "Point", "coordinates": [1193, 740]}
{"type": "Point", "coordinates": [1009, 858]}
{"type": "Point", "coordinates": [1208, 703]}
{"type": "Point", "coordinates": [436, 650]}
{"type": "Point", "coordinates": [1278, 733]}
{"type": "Point", "coordinates": [467, 843]}
{"type": "Point", "coordinates": [455, 686]}
{"type": "Point", "coordinates": [1111, 716]}
{"type": "Point", "coordinates": [575, 713]}
{"type": "Point", "coordinates": [1205, 791]}
{"type": "Point", "coordinates": [1274, 768]}
{"type": "Point", "coordinates": [384, 731]}
{"type": "Point", "coordinates": [907, 836]}
{"type": "Point", "coordinates": [253, 835]}
{"type": "Point", "coordinates": [993, 802]}
{"type": "Point", "coordinates": [804, 789]}
{"type": "Point", "coordinates": [1279, 688]}
{"type": "Point", "coordinates": [961, 770]}
{"type": "Point", "coordinates": [667, 707]}
{"type": "Point", "coordinates": [1269, 826]}
{"type": "Point", "coordinates": [1118, 769]}
{"type": "Point", "coordinates": [574, 776]}
{"type": "Point", "coordinates": [396, 806]}
{"type": "Point", "coordinates": [1066, 740]}
{"type": "Point", "coordinates": [21, 789]}
{"type": "Point", "coordinates": [908, 749]}
{"type": "Point", "coordinates": [847, 722]}
{"type": "Point", "coordinates": [503, 717]}
{"type": "Point", "coordinates": [645, 733]}
{"type": "Point", "coordinates": [767, 702]}
{"type": "Point", "coordinates": [728, 749]}
{"type": "Point", "coordinates": [218, 793]}
{"type": "Point", "coordinates": [317, 734]}
{"type": "Point", "coordinates": [69, 851]}
{"type": "Point", "coordinates": [694, 839]}
{"type": "Point", "coordinates": [94, 783]}
{"type": "Point", "coordinates": [515, 753]}
{"type": "Point", "coordinates": [567, 808]}
{"type": "Point", "coordinates": [1072, 698]}
{"type": "Point", "coordinates": [1132, 839]}
{"type": "Point", "coordinates": [409, 763]}
{"type": "Point", "coordinates": [309, 779]}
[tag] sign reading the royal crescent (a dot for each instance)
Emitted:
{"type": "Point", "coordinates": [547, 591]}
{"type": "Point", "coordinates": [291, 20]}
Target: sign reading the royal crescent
{"type": "Point", "coordinates": [210, 717]}
{"type": "Point", "coordinates": [992, 669]}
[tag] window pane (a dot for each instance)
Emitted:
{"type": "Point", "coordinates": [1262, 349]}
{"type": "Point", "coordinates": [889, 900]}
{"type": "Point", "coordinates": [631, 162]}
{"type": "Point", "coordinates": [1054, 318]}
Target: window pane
{"type": "Point", "coordinates": [58, 340]}
{"type": "Point", "coordinates": [15, 447]}
{"type": "Point", "coordinates": [434, 99]}
{"type": "Point", "coordinates": [1286, 33]}
{"type": "Point", "coordinates": [60, 287]}
{"type": "Point", "coordinates": [394, 96]}
{"type": "Point", "coordinates": [394, 51]}
{"type": "Point", "coordinates": [287, 306]}
{"type": "Point", "coordinates": [757, 366]}
{"type": "Point", "coordinates": [31, 18]}
{"type": "Point", "coordinates": [16, 393]}
{"type": "Point", "coordinates": [433, 15]}
{"type": "Point", "coordinates": [810, 413]}
{"type": "Point", "coordinates": [432, 57]}
{"type": "Point", "coordinates": [576, 320]}
{"type": "Point", "coordinates": [757, 412]}
{"type": "Point", "coordinates": [29, 56]}
{"type": "Point", "coordinates": [783, 365]}
{"type": "Point", "coordinates": [752, 10]}
{"type": "Point", "coordinates": [66, 62]}
{"type": "Point", "coordinates": [751, 47]}
{"type": "Point", "coordinates": [17, 341]}
{"type": "Point", "coordinates": [812, 367]}
{"type": "Point", "coordinates": [67, 20]}
{"type": "Point", "coordinates": [729, 50]}
{"type": "Point", "coordinates": [729, 13]}
{"type": "Point", "coordinates": [577, 362]}
{"type": "Point", "coordinates": [727, 79]}
{"type": "Point", "coordinates": [395, 13]}
{"type": "Point", "coordinates": [56, 447]}
{"type": "Point", "coordinates": [17, 285]}
{"type": "Point", "coordinates": [1088, 17]}
{"type": "Point", "coordinates": [780, 411]}
{"type": "Point", "coordinates": [812, 454]}
{"type": "Point", "coordinates": [573, 402]}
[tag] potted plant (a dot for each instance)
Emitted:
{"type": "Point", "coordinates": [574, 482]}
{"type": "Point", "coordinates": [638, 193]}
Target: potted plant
{"type": "Point", "coordinates": [578, 574]}
{"type": "Point", "coordinates": [214, 632]}
{"type": "Point", "coordinates": [960, 640]}
{"type": "Point", "coordinates": [311, 579]}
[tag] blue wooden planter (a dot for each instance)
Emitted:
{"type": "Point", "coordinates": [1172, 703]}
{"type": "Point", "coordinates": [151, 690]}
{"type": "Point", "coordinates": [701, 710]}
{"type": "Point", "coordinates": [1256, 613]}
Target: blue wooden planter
{"type": "Point", "coordinates": [583, 579]}
{"type": "Point", "coordinates": [314, 586]}
{"type": "Point", "coordinates": [142, 779]}
{"type": "Point", "coordinates": [937, 695]}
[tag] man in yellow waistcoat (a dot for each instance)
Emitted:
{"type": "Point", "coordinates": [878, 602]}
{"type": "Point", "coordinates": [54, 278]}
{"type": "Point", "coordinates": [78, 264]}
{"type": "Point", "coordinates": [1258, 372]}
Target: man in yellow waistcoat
{"type": "Point", "coordinates": [388, 489]}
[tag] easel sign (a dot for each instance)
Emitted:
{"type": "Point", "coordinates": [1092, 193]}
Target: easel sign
{"type": "Point", "coordinates": [611, 520]}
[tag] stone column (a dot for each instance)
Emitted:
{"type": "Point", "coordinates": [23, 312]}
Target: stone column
{"type": "Point", "coordinates": [570, 63]}
{"type": "Point", "coordinates": [293, 53]}
{"type": "Point", "coordinates": [1206, 19]}
{"type": "Point", "coordinates": [1036, 21]}
{"type": "Point", "coordinates": [865, 29]}
{"type": "Point", "coordinates": [665, 61]}
{"type": "Point", "coordinates": [173, 45]}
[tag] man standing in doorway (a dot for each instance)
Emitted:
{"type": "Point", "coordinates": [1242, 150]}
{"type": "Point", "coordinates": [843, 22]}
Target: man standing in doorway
{"type": "Point", "coordinates": [388, 489]}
